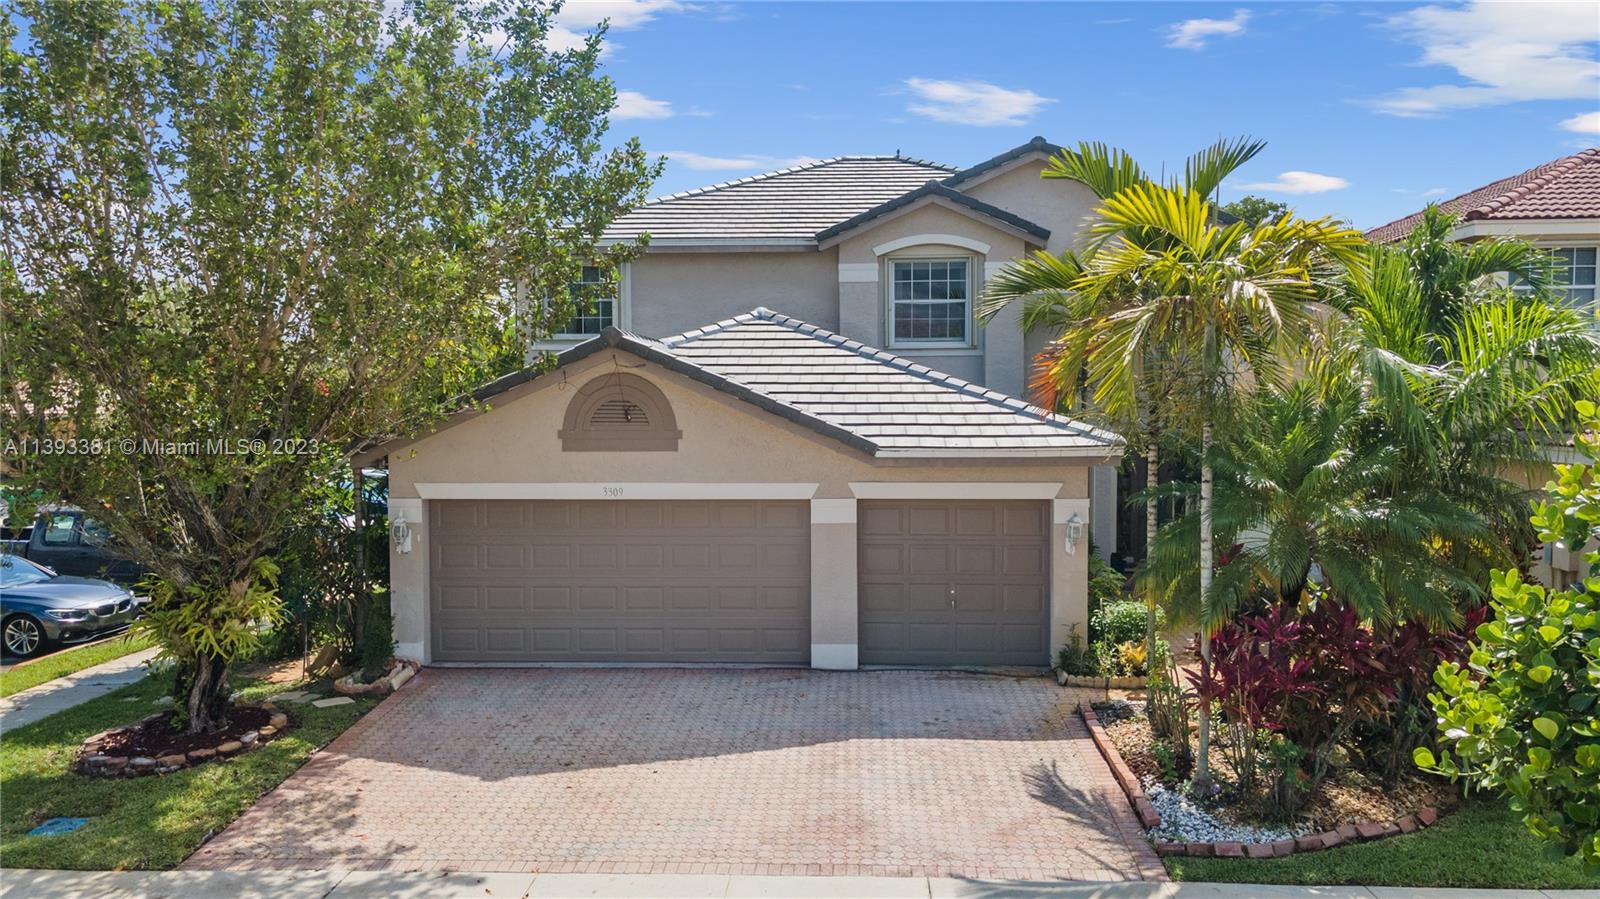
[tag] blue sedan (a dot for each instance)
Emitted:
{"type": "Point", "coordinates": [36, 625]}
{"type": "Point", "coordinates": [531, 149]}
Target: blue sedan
{"type": "Point", "coordinates": [40, 609]}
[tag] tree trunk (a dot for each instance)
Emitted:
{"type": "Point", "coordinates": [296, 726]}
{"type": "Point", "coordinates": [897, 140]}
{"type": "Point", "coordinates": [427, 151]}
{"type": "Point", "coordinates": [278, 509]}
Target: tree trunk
{"type": "Point", "coordinates": [204, 684]}
{"type": "Point", "coordinates": [1202, 762]}
{"type": "Point", "coordinates": [1152, 479]}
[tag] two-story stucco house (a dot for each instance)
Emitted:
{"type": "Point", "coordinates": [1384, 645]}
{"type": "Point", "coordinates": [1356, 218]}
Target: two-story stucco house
{"type": "Point", "coordinates": [785, 440]}
{"type": "Point", "coordinates": [887, 250]}
{"type": "Point", "coordinates": [1557, 206]}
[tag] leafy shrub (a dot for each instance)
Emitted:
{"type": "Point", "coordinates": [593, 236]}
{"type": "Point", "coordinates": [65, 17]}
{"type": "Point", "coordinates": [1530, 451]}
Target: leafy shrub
{"type": "Point", "coordinates": [1105, 582]}
{"type": "Point", "coordinates": [1074, 658]}
{"type": "Point", "coordinates": [1131, 656]}
{"type": "Point", "coordinates": [202, 627]}
{"type": "Point", "coordinates": [1119, 622]}
{"type": "Point", "coordinates": [1306, 676]}
{"type": "Point", "coordinates": [1522, 717]}
{"type": "Point", "coordinates": [1118, 633]}
{"type": "Point", "coordinates": [376, 646]}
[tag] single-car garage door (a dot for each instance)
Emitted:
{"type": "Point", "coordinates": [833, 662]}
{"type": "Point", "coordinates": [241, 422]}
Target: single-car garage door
{"type": "Point", "coordinates": [620, 581]}
{"type": "Point", "coordinates": [953, 583]}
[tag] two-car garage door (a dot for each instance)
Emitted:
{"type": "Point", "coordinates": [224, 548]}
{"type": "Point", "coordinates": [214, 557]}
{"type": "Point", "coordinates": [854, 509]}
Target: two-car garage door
{"type": "Point", "coordinates": [940, 582]}
{"type": "Point", "coordinates": [620, 581]}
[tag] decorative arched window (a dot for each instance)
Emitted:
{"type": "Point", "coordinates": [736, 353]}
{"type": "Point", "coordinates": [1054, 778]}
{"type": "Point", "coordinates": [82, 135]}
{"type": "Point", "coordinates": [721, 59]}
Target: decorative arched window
{"type": "Point", "coordinates": [619, 412]}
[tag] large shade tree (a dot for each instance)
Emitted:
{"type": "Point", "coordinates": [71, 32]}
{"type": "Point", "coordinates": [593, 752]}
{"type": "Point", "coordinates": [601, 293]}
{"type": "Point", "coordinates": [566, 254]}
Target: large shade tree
{"type": "Point", "coordinates": [239, 236]}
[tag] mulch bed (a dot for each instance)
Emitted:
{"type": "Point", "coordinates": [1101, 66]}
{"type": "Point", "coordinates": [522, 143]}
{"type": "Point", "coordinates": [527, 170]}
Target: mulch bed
{"type": "Point", "coordinates": [157, 736]}
{"type": "Point", "coordinates": [1346, 795]}
{"type": "Point", "coordinates": [154, 746]}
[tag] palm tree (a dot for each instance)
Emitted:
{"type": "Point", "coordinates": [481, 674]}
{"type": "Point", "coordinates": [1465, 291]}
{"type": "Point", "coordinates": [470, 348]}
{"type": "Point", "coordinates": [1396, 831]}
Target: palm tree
{"type": "Point", "coordinates": [1231, 303]}
{"type": "Point", "coordinates": [1309, 498]}
{"type": "Point", "coordinates": [1470, 379]}
{"type": "Point", "coordinates": [1044, 284]}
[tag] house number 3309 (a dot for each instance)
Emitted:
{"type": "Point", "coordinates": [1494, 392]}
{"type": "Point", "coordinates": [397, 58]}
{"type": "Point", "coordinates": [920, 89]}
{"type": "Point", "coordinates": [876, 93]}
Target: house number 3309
{"type": "Point", "coordinates": [611, 492]}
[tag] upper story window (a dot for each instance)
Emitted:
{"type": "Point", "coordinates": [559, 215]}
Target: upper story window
{"type": "Point", "coordinates": [930, 302]}
{"type": "Point", "coordinates": [1573, 275]}
{"type": "Point", "coordinates": [594, 313]}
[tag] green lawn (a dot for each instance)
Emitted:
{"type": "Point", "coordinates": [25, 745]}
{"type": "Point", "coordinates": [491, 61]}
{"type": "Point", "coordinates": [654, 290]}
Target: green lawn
{"type": "Point", "coordinates": [143, 822]}
{"type": "Point", "coordinates": [1479, 845]}
{"type": "Point", "coordinates": [69, 661]}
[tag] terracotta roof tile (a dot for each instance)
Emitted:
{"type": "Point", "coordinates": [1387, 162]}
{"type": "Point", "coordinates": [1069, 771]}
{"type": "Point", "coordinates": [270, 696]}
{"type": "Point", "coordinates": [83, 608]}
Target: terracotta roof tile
{"type": "Point", "coordinates": [1564, 188]}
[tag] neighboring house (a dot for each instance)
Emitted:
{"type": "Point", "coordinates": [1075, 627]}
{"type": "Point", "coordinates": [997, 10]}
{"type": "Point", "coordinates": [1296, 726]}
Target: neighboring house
{"type": "Point", "coordinates": [887, 250]}
{"type": "Point", "coordinates": [1557, 206]}
{"type": "Point", "coordinates": [759, 490]}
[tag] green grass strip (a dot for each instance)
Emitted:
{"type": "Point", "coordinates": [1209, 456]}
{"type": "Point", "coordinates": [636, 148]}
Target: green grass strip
{"type": "Point", "coordinates": [1480, 845]}
{"type": "Point", "coordinates": [69, 661]}
{"type": "Point", "coordinates": [142, 822]}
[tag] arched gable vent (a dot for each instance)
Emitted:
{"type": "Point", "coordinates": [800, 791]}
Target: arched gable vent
{"type": "Point", "coordinates": [619, 412]}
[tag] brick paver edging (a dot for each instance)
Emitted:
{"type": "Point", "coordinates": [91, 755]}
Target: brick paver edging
{"type": "Point", "coordinates": [1151, 819]}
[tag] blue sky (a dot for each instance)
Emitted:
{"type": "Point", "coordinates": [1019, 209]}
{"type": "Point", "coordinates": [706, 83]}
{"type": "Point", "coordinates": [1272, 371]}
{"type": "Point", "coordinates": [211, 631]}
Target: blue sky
{"type": "Point", "coordinates": [1369, 110]}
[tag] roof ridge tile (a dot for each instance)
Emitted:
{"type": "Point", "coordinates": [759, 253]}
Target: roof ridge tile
{"type": "Point", "coordinates": [789, 170]}
{"type": "Point", "coordinates": [1496, 195]}
{"type": "Point", "coordinates": [926, 373]}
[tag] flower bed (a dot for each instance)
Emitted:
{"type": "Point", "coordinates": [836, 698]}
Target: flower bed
{"type": "Point", "coordinates": [1179, 825]}
{"type": "Point", "coordinates": [153, 746]}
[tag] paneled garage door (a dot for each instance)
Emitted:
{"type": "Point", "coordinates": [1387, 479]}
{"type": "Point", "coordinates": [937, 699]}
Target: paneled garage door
{"type": "Point", "coordinates": [953, 583]}
{"type": "Point", "coordinates": [620, 581]}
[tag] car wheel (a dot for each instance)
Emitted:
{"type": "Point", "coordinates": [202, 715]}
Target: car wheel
{"type": "Point", "coordinates": [22, 635]}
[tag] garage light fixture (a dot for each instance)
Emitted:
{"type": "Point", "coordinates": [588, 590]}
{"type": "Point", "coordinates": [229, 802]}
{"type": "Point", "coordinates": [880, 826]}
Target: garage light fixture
{"type": "Point", "coordinates": [1074, 532]}
{"type": "Point", "coordinates": [400, 533]}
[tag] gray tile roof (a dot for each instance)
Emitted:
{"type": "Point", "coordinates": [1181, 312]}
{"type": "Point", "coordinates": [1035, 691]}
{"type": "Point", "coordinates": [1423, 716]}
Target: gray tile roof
{"type": "Point", "coordinates": [937, 190]}
{"type": "Point", "coordinates": [864, 397]}
{"type": "Point", "coordinates": [892, 405]}
{"type": "Point", "coordinates": [792, 204]}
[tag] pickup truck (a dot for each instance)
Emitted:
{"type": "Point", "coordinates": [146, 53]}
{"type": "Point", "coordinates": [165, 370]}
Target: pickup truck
{"type": "Point", "coordinates": [71, 543]}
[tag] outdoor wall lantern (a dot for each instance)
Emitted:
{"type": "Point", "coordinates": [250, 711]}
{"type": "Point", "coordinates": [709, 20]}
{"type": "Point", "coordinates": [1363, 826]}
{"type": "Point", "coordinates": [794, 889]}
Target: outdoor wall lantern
{"type": "Point", "coordinates": [400, 533]}
{"type": "Point", "coordinates": [1074, 532]}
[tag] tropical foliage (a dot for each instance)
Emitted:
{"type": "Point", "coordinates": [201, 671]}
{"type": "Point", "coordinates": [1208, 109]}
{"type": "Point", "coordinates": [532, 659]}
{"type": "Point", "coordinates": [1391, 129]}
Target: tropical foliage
{"type": "Point", "coordinates": [1523, 715]}
{"type": "Point", "coordinates": [239, 237]}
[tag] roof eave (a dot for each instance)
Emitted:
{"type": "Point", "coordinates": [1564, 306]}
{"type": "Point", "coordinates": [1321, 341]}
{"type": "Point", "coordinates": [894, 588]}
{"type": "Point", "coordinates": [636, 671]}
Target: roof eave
{"type": "Point", "coordinates": [1043, 452]}
{"type": "Point", "coordinates": [933, 191]}
{"type": "Point", "coordinates": [996, 165]}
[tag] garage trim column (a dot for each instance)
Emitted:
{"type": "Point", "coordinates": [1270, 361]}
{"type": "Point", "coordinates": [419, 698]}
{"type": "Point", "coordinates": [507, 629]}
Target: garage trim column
{"type": "Point", "coordinates": [1069, 573]}
{"type": "Point", "coordinates": [408, 579]}
{"type": "Point", "coordinates": [835, 643]}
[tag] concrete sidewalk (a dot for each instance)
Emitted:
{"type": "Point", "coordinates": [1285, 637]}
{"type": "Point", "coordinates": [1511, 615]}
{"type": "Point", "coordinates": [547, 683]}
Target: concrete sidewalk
{"type": "Point", "coordinates": [50, 697]}
{"type": "Point", "coordinates": [24, 884]}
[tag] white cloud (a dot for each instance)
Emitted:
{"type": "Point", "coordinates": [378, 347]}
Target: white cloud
{"type": "Point", "coordinates": [973, 102]}
{"type": "Point", "coordinates": [753, 163]}
{"type": "Point", "coordinates": [580, 17]}
{"type": "Point", "coordinates": [1504, 52]}
{"type": "Point", "coordinates": [1299, 183]}
{"type": "Point", "coordinates": [1192, 34]}
{"type": "Point", "coordinates": [634, 105]}
{"type": "Point", "coordinates": [1583, 123]}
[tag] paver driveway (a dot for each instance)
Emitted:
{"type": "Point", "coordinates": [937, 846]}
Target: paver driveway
{"type": "Point", "coordinates": [770, 771]}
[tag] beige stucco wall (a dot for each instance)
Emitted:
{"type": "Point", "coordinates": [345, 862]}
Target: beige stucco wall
{"type": "Point", "coordinates": [996, 359]}
{"type": "Point", "coordinates": [675, 292]}
{"type": "Point", "coordinates": [725, 441]}
{"type": "Point", "coordinates": [1061, 206]}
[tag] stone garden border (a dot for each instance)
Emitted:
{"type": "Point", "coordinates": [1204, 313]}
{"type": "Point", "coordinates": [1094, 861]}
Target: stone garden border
{"type": "Point", "coordinates": [1101, 683]}
{"type": "Point", "coordinates": [89, 761]}
{"type": "Point", "coordinates": [1149, 818]}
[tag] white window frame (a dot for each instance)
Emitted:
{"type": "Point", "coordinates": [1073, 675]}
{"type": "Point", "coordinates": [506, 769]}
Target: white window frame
{"type": "Point", "coordinates": [621, 314]}
{"type": "Point", "coordinates": [969, 342]}
{"type": "Point", "coordinates": [1592, 305]}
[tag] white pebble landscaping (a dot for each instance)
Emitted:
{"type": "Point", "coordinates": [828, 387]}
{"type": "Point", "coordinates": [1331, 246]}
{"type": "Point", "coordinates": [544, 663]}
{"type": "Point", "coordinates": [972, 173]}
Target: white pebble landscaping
{"type": "Point", "coordinates": [1185, 821]}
